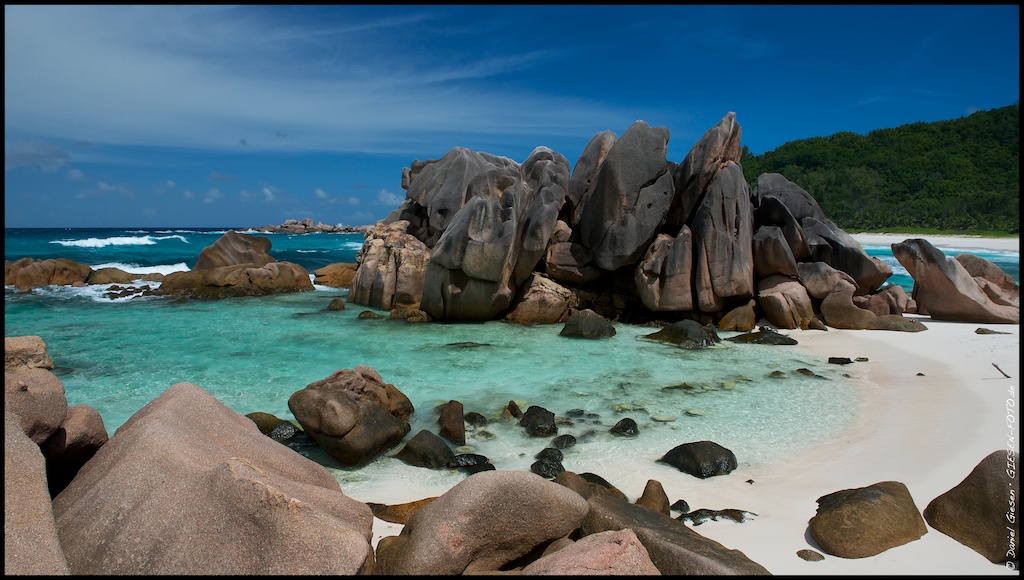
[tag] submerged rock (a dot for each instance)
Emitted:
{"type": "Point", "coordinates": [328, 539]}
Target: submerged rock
{"type": "Point", "coordinates": [688, 334]}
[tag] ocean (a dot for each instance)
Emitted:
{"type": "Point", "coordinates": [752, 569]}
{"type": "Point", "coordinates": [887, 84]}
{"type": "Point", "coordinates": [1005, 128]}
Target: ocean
{"type": "Point", "coordinates": [252, 353]}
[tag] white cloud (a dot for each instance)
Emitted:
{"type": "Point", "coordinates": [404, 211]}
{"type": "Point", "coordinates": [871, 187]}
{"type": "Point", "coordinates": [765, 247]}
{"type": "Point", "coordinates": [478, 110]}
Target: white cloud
{"type": "Point", "coordinates": [187, 194]}
{"type": "Point", "coordinates": [76, 175]}
{"type": "Point", "coordinates": [212, 195]}
{"type": "Point", "coordinates": [212, 77]}
{"type": "Point", "coordinates": [170, 184]}
{"type": "Point", "coordinates": [353, 200]}
{"type": "Point", "coordinates": [321, 194]}
{"type": "Point", "coordinates": [268, 194]}
{"type": "Point", "coordinates": [385, 197]}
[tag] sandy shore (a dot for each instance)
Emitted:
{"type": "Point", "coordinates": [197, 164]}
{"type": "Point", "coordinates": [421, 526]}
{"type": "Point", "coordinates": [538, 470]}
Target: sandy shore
{"type": "Point", "coordinates": [944, 242]}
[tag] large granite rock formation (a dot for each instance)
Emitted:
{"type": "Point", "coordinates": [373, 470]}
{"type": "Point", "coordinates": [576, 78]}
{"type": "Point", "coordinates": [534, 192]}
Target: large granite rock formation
{"type": "Point", "coordinates": [584, 175]}
{"type": "Point", "coordinates": [977, 512]}
{"type": "Point", "coordinates": [222, 499]}
{"type": "Point", "coordinates": [484, 522]}
{"type": "Point", "coordinates": [945, 290]}
{"type": "Point", "coordinates": [631, 198]}
{"type": "Point", "coordinates": [236, 265]}
{"type": "Point", "coordinates": [26, 352]}
{"type": "Point", "coordinates": [27, 273]}
{"type": "Point", "coordinates": [352, 414]}
{"type": "Point", "coordinates": [392, 266]}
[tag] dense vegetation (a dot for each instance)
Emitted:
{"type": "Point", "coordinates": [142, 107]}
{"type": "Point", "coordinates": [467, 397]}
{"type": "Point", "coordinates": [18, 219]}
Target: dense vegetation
{"type": "Point", "coordinates": [955, 176]}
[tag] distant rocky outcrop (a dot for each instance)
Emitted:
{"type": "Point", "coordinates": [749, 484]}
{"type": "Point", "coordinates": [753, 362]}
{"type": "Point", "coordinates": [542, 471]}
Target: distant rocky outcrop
{"type": "Point", "coordinates": [236, 265]}
{"type": "Point", "coordinates": [946, 290]}
{"type": "Point", "coordinates": [628, 234]}
{"type": "Point", "coordinates": [306, 226]}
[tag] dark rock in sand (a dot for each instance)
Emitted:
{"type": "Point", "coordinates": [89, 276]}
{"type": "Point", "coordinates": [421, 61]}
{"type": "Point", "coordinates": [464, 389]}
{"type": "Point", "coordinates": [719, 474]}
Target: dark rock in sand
{"type": "Point", "coordinates": [701, 459]}
{"type": "Point", "coordinates": [699, 516]}
{"type": "Point", "coordinates": [486, 466]}
{"type": "Point", "coordinates": [688, 334]}
{"type": "Point", "coordinates": [587, 324]}
{"type": "Point", "coordinates": [228, 502]}
{"type": "Point", "coordinates": [426, 450]}
{"type": "Point", "coordinates": [31, 545]}
{"type": "Point", "coordinates": [764, 335]}
{"type": "Point", "coordinates": [539, 422]}
{"type": "Point", "coordinates": [989, 331]}
{"type": "Point", "coordinates": [489, 519]}
{"type": "Point", "coordinates": [810, 555]}
{"type": "Point", "coordinates": [466, 460]}
{"type": "Point", "coordinates": [839, 360]}
{"type": "Point", "coordinates": [977, 512]}
{"type": "Point", "coordinates": [625, 428]}
{"type": "Point", "coordinates": [680, 505]}
{"type": "Point", "coordinates": [563, 441]}
{"type": "Point", "coordinates": [865, 521]}
{"type": "Point", "coordinates": [549, 453]}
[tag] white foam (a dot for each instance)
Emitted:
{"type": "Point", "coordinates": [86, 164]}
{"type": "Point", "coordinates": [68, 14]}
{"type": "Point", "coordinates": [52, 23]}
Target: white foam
{"type": "Point", "coordinates": [92, 292]}
{"type": "Point", "coordinates": [116, 241]}
{"type": "Point", "coordinates": [164, 269]}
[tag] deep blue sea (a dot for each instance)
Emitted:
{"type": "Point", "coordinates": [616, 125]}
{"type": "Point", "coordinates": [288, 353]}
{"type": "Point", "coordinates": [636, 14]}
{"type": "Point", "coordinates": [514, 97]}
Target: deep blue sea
{"type": "Point", "coordinates": [252, 353]}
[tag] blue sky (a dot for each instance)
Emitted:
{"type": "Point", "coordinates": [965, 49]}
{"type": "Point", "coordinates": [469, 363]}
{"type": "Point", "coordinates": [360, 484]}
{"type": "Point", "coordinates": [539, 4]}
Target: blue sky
{"type": "Point", "coordinates": [163, 116]}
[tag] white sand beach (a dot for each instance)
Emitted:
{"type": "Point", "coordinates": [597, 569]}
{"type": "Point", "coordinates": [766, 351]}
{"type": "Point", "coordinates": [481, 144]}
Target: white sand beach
{"type": "Point", "coordinates": [927, 432]}
{"type": "Point", "coordinates": [954, 242]}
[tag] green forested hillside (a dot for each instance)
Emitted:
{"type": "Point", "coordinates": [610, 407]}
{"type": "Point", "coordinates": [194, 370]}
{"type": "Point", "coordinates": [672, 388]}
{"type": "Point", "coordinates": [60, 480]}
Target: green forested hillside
{"type": "Point", "coordinates": [959, 175]}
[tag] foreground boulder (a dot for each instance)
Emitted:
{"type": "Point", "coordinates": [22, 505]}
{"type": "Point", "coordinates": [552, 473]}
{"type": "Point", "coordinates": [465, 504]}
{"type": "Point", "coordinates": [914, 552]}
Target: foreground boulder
{"type": "Point", "coordinates": [486, 521]}
{"type": "Point", "coordinates": [674, 548]}
{"type": "Point", "coordinates": [25, 352]}
{"type": "Point", "coordinates": [977, 512]}
{"type": "Point", "coordinates": [37, 397]}
{"type": "Point", "coordinates": [945, 290]}
{"type": "Point", "coordinates": [31, 545]}
{"type": "Point", "coordinates": [701, 459]}
{"type": "Point", "coordinates": [222, 499]}
{"type": "Point", "coordinates": [862, 522]}
{"type": "Point", "coordinates": [72, 445]}
{"type": "Point", "coordinates": [611, 553]}
{"type": "Point", "coordinates": [352, 414]}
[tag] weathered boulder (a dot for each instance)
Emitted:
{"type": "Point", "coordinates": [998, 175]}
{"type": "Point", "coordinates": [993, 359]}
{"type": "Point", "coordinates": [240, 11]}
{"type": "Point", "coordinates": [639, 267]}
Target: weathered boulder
{"type": "Point", "coordinates": [764, 335]}
{"type": "Point", "coordinates": [828, 243]}
{"type": "Point", "coordinates": [337, 275]}
{"type": "Point", "coordinates": [631, 198]}
{"type": "Point", "coordinates": [674, 548]}
{"type": "Point", "coordinates": [570, 263]}
{"type": "Point", "coordinates": [820, 279]}
{"type": "Point", "coordinates": [481, 524]}
{"type": "Point", "coordinates": [722, 237]}
{"type": "Point", "coordinates": [654, 498]}
{"type": "Point", "coordinates": [664, 276]}
{"type": "Point", "coordinates": [398, 513]}
{"type": "Point", "coordinates": [688, 334]}
{"type": "Point", "coordinates": [772, 191]}
{"type": "Point", "coordinates": [839, 310]}
{"type": "Point", "coordinates": [587, 324]}
{"type": "Point", "coordinates": [976, 512]}
{"type": "Point", "coordinates": [26, 352]}
{"type": "Point", "coordinates": [111, 276]}
{"type": "Point", "coordinates": [538, 422]}
{"type": "Point", "coordinates": [392, 266]}
{"type": "Point", "coordinates": [611, 553]}
{"type": "Point", "coordinates": [772, 253]}
{"type": "Point", "coordinates": [36, 396]}
{"type": "Point", "coordinates": [999, 287]}
{"type": "Point", "coordinates": [588, 485]}
{"type": "Point", "coordinates": [864, 521]}
{"type": "Point", "coordinates": [741, 318]}
{"type": "Point", "coordinates": [785, 302]}
{"type": "Point", "coordinates": [27, 273]}
{"type": "Point", "coordinates": [542, 301]}
{"type": "Point", "coordinates": [230, 501]}
{"type": "Point", "coordinates": [584, 175]}
{"type": "Point", "coordinates": [452, 423]}
{"type": "Point", "coordinates": [234, 248]}
{"type": "Point", "coordinates": [701, 459]}
{"type": "Point", "coordinates": [352, 414]}
{"type": "Point", "coordinates": [945, 290]}
{"type": "Point", "coordinates": [237, 280]}
{"type": "Point", "coordinates": [31, 545]}
{"type": "Point", "coordinates": [772, 211]}
{"type": "Point", "coordinates": [426, 450]}
{"type": "Point", "coordinates": [79, 437]}
{"type": "Point", "coordinates": [546, 176]}
{"type": "Point", "coordinates": [694, 174]}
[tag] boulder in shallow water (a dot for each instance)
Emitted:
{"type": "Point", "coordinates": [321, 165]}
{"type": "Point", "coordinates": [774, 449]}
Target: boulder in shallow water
{"type": "Point", "coordinates": [688, 334]}
{"type": "Point", "coordinates": [426, 450]}
{"type": "Point", "coordinates": [587, 324]}
{"type": "Point", "coordinates": [701, 459]}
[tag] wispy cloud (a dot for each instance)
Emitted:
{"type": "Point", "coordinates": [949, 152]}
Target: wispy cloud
{"type": "Point", "coordinates": [103, 188]}
{"type": "Point", "coordinates": [385, 197]}
{"type": "Point", "coordinates": [76, 175]}
{"type": "Point", "coordinates": [213, 195]}
{"type": "Point", "coordinates": [221, 78]}
{"type": "Point", "coordinates": [34, 153]}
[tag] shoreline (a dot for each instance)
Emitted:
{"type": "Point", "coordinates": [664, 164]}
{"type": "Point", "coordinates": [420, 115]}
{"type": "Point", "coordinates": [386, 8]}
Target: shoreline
{"type": "Point", "coordinates": [927, 432]}
{"type": "Point", "coordinates": [941, 241]}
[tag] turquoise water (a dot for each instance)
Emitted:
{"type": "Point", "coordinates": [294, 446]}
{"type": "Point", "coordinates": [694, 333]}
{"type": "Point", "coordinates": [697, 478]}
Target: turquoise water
{"type": "Point", "coordinates": [252, 353]}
